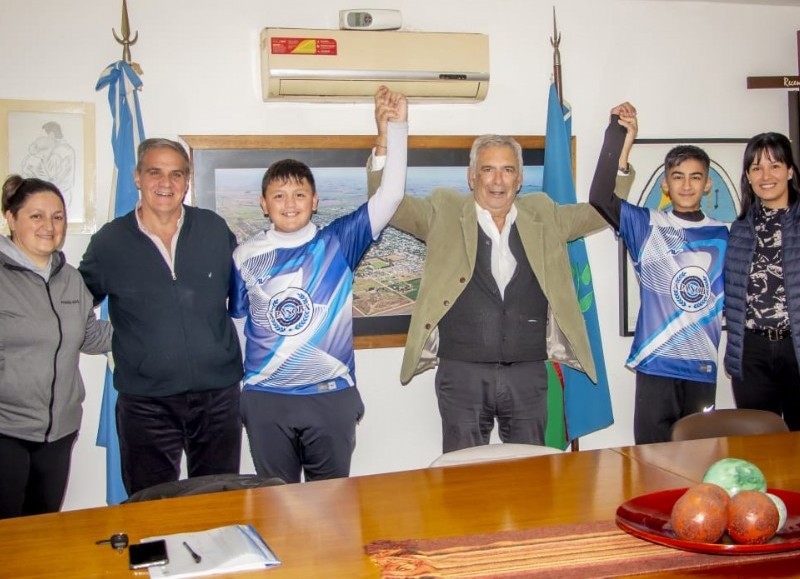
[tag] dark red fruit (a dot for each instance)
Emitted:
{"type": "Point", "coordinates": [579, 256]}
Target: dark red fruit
{"type": "Point", "coordinates": [752, 518]}
{"type": "Point", "coordinates": [701, 514]}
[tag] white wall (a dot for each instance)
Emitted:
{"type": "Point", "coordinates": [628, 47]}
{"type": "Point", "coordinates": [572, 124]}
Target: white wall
{"type": "Point", "coordinates": [682, 64]}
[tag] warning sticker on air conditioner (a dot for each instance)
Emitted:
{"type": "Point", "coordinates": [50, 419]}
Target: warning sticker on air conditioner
{"type": "Point", "coordinates": [315, 46]}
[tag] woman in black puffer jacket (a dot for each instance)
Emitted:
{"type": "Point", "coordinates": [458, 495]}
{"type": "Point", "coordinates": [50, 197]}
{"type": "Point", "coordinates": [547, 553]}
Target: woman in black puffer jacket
{"type": "Point", "coordinates": [762, 282]}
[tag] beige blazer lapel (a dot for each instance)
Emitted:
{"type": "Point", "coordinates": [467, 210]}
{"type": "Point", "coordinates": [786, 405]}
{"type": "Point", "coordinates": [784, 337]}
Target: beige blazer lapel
{"type": "Point", "coordinates": [469, 230]}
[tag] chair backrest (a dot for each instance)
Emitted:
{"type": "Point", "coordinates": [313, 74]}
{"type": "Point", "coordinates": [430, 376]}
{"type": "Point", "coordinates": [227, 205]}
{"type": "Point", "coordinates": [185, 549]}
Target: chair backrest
{"type": "Point", "coordinates": [492, 452]}
{"type": "Point", "coordinates": [727, 422]}
{"type": "Point", "coordinates": [212, 483]}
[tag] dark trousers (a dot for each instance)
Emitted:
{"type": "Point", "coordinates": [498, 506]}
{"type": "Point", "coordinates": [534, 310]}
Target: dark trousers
{"type": "Point", "coordinates": [770, 378]}
{"type": "Point", "coordinates": [154, 432]}
{"type": "Point", "coordinates": [291, 434]}
{"type": "Point", "coordinates": [661, 401]}
{"type": "Point", "coordinates": [472, 395]}
{"type": "Point", "coordinates": [33, 475]}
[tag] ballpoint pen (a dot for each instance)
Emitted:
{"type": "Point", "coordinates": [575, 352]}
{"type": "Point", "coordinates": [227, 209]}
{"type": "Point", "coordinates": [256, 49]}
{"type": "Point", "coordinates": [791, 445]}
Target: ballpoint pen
{"type": "Point", "coordinates": [197, 558]}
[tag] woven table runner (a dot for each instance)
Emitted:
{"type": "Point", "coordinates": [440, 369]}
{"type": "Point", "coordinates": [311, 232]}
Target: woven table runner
{"type": "Point", "coordinates": [586, 550]}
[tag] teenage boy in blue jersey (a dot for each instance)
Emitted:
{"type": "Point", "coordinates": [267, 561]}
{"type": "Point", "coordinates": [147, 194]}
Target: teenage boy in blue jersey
{"type": "Point", "coordinates": [678, 257]}
{"type": "Point", "coordinates": [294, 282]}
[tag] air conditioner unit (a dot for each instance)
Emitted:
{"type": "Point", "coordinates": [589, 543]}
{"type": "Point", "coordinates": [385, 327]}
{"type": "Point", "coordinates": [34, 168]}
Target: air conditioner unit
{"type": "Point", "coordinates": [351, 64]}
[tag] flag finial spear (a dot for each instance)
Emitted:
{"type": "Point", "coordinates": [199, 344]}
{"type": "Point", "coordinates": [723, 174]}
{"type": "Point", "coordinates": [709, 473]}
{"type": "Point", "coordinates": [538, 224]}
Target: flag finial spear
{"type": "Point", "coordinates": [555, 41]}
{"type": "Point", "coordinates": [126, 41]}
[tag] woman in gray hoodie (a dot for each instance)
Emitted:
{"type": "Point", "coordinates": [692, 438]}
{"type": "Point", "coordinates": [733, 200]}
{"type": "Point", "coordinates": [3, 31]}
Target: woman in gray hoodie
{"type": "Point", "coordinates": [46, 320]}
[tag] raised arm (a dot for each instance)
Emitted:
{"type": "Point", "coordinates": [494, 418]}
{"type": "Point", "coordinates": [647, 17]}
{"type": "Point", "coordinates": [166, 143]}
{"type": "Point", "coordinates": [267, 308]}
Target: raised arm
{"type": "Point", "coordinates": [382, 113]}
{"type": "Point", "coordinates": [613, 159]}
{"type": "Point", "coordinates": [391, 117]}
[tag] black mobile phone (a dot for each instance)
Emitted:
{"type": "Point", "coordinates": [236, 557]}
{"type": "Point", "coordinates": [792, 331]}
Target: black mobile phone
{"type": "Point", "coordinates": [143, 555]}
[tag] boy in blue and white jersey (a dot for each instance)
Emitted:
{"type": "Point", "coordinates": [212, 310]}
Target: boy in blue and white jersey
{"type": "Point", "coordinates": [294, 282]}
{"type": "Point", "coordinates": [678, 257]}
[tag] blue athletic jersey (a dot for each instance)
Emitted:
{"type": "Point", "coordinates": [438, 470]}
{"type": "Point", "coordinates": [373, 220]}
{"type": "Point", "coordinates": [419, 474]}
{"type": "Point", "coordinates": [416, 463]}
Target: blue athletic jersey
{"type": "Point", "coordinates": [679, 264]}
{"type": "Point", "coordinates": [299, 307]}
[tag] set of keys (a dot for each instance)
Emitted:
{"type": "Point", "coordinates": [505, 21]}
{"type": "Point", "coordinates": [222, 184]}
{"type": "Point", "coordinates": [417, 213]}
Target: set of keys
{"type": "Point", "coordinates": [117, 541]}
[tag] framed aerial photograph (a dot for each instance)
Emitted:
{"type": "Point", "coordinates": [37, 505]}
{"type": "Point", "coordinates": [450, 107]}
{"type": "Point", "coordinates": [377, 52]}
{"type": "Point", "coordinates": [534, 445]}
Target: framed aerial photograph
{"type": "Point", "coordinates": [53, 141]}
{"type": "Point", "coordinates": [227, 173]}
{"type": "Point", "coordinates": [722, 202]}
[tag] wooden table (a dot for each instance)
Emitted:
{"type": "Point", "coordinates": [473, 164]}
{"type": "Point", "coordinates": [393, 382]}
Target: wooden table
{"type": "Point", "coordinates": [319, 529]}
{"type": "Point", "coordinates": [775, 454]}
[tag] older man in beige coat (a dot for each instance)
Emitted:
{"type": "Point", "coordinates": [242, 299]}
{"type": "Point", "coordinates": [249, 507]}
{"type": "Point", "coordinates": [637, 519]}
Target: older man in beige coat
{"type": "Point", "coordinates": [497, 297]}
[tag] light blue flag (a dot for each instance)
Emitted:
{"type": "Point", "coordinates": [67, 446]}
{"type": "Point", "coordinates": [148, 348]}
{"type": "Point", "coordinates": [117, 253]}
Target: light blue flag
{"type": "Point", "coordinates": [127, 132]}
{"type": "Point", "coordinates": [587, 406]}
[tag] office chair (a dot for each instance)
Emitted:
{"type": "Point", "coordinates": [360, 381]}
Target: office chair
{"type": "Point", "coordinates": [727, 422]}
{"type": "Point", "coordinates": [492, 452]}
{"type": "Point", "coordinates": [212, 483]}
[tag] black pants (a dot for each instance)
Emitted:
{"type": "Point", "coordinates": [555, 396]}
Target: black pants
{"type": "Point", "coordinates": [770, 378]}
{"type": "Point", "coordinates": [154, 432]}
{"type": "Point", "coordinates": [661, 401]}
{"type": "Point", "coordinates": [472, 394]}
{"type": "Point", "coordinates": [313, 434]}
{"type": "Point", "coordinates": [33, 475]}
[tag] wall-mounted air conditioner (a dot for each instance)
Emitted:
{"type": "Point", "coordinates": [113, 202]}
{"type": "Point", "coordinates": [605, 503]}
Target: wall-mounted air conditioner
{"type": "Point", "coordinates": [351, 64]}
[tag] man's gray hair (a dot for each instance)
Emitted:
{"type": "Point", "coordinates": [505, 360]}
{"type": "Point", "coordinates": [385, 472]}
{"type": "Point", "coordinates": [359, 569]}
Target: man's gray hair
{"type": "Point", "coordinates": [161, 143]}
{"type": "Point", "coordinates": [494, 141]}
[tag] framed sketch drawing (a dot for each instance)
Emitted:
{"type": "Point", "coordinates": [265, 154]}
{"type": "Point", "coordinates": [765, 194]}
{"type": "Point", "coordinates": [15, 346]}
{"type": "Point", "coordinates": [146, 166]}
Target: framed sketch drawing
{"type": "Point", "coordinates": [227, 173]}
{"type": "Point", "coordinates": [722, 202]}
{"type": "Point", "coordinates": [53, 141]}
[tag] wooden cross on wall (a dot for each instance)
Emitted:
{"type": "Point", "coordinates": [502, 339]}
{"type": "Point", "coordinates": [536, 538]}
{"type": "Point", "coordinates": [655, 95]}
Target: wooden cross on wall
{"type": "Point", "coordinates": [792, 84]}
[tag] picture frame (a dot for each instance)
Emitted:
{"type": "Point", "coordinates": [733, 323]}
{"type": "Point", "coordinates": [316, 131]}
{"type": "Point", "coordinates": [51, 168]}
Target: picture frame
{"type": "Point", "coordinates": [722, 203]}
{"type": "Point", "coordinates": [54, 141]}
{"type": "Point", "coordinates": [226, 177]}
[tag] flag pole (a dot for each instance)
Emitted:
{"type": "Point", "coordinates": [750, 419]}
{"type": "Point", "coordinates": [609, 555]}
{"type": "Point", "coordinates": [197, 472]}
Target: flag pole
{"type": "Point", "coordinates": [121, 80]}
{"type": "Point", "coordinates": [555, 41]}
{"type": "Point", "coordinates": [125, 40]}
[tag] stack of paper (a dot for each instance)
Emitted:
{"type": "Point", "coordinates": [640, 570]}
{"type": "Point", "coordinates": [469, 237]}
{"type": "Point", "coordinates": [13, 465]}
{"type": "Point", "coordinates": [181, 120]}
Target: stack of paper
{"type": "Point", "coordinates": [221, 550]}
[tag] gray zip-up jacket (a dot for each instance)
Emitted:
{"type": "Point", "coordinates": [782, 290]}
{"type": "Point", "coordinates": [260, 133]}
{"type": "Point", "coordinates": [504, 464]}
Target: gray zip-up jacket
{"type": "Point", "coordinates": [44, 325]}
